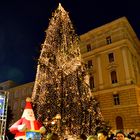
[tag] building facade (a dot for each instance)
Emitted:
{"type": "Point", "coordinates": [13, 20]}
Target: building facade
{"type": "Point", "coordinates": [17, 96]}
{"type": "Point", "coordinates": [112, 56]}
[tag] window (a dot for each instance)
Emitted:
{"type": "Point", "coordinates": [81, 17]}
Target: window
{"type": "Point", "coordinates": [111, 57]}
{"type": "Point", "coordinates": [91, 82]}
{"type": "Point", "coordinates": [88, 47]}
{"type": "Point", "coordinates": [15, 105]}
{"type": "Point", "coordinates": [22, 105]}
{"type": "Point", "coordinates": [90, 65]}
{"type": "Point", "coordinates": [108, 40]}
{"type": "Point", "coordinates": [113, 77]}
{"type": "Point", "coordinates": [16, 94]}
{"type": "Point", "coordinates": [116, 99]}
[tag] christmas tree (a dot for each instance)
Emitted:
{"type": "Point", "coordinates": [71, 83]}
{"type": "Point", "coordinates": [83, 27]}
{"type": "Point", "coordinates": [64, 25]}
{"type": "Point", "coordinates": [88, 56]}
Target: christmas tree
{"type": "Point", "coordinates": [61, 96]}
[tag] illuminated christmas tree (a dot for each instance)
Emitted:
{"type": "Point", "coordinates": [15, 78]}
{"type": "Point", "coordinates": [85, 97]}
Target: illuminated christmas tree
{"type": "Point", "coordinates": [61, 95]}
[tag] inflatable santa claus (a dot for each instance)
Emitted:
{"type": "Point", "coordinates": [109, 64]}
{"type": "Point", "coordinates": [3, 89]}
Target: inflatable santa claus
{"type": "Point", "coordinates": [26, 123]}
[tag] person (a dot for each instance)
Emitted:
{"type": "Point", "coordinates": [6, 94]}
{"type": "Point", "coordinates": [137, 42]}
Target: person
{"type": "Point", "coordinates": [137, 136]}
{"type": "Point", "coordinates": [26, 122]}
{"type": "Point", "coordinates": [83, 137]}
{"type": "Point", "coordinates": [120, 135]}
{"type": "Point", "coordinates": [102, 135]}
{"type": "Point", "coordinates": [111, 135]}
{"type": "Point", "coordinates": [91, 137]}
{"type": "Point", "coordinates": [131, 135]}
{"type": "Point", "coordinates": [52, 136]}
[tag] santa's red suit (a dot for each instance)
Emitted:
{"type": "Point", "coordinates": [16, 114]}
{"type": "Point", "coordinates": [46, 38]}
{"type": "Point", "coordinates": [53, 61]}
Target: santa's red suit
{"type": "Point", "coordinates": [26, 123]}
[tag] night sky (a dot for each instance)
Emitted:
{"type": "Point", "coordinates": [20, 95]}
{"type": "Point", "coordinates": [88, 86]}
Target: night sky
{"type": "Point", "coordinates": [23, 25]}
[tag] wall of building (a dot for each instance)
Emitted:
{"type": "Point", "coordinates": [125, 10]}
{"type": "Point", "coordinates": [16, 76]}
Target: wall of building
{"type": "Point", "coordinates": [124, 45]}
{"type": "Point", "coordinates": [17, 98]}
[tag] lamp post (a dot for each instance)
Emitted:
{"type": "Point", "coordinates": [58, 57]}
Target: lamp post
{"type": "Point", "coordinates": [58, 118]}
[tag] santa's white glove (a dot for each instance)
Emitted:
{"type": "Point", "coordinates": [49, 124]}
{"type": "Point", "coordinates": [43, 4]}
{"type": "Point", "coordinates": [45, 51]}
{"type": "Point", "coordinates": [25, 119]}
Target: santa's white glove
{"type": "Point", "coordinates": [42, 130]}
{"type": "Point", "coordinates": [22, 127]}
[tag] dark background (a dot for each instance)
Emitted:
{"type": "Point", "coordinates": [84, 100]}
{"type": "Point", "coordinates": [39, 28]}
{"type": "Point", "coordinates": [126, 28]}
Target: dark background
{"type": "Point", "coordinates": [23, 25]}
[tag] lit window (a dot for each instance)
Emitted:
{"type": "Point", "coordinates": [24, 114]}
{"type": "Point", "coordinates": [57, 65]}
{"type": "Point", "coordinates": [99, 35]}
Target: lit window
{"type": "Point", "coordinates": [116, 99]}
{"type": "Point", "coordinates": [88, 47]}
{"type": "Point", "coordinates": [113, 77]}
{"type": "Point", "coordinates": [91, 82]}
{"type": "Point", "coordinates": [111, 57]}
{"type": "Point", "coordinates": [108, 40]}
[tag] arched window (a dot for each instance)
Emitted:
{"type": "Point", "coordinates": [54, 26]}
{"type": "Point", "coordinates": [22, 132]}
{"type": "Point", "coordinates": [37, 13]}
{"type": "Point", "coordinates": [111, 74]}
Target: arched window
{"type": "Point", "coordinates": [113, 77]}
{"type": "Point", "coordinates": [119, 123]}
{"type": "Point", "coordinates": [91, 82]}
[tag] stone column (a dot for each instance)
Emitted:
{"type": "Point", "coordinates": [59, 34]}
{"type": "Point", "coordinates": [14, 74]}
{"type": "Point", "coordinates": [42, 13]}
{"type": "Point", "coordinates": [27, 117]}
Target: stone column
{"type": "Point", "coordinates": [126, 67]}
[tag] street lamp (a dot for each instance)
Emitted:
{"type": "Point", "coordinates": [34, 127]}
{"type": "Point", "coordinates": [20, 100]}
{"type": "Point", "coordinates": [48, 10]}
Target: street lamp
{"type": "Point", "coordinates": [58, 118]}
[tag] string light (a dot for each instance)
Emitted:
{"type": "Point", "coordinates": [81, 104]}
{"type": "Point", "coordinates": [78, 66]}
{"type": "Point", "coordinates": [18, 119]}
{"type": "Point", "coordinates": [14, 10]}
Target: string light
{"type": "Point", "coordinates": [61, 96]}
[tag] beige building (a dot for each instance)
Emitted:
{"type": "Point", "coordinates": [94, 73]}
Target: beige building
{"type": "Point", "coordinates": [112, 55]}
{"type": "Point", "coordinates": [17, 96]}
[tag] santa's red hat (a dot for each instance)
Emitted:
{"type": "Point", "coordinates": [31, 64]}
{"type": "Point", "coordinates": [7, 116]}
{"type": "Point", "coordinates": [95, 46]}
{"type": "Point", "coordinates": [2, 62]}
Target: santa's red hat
{"type": "Point", "coordinates": [28, 108]}
{"type": "Point", "coordinates": [28, 103]}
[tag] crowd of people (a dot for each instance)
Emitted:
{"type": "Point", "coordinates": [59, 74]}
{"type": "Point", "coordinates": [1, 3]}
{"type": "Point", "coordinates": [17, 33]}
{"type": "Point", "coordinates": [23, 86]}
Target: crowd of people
{"type": "Point", "coordinates": [101, 135]}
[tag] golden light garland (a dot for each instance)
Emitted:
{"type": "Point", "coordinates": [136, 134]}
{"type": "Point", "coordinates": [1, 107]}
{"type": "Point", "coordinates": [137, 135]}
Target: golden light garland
{"type": "Point", "coordinates": [61, 95]}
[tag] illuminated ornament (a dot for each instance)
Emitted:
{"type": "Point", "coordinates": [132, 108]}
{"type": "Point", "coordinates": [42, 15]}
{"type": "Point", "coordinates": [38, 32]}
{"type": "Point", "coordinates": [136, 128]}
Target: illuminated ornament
{"type": "Point", "coordinates": [58, 117]}
{"type": "Point", "coordinates": [67, 105]}
{"type": "Point", "coordinates": [53, 122]}
{"type": "Point", "coordinates": [72, 119]}
{"type": "Point", "coordinates": [74, 100]}
{"type": "Point", "coordinates": [79, 103]}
